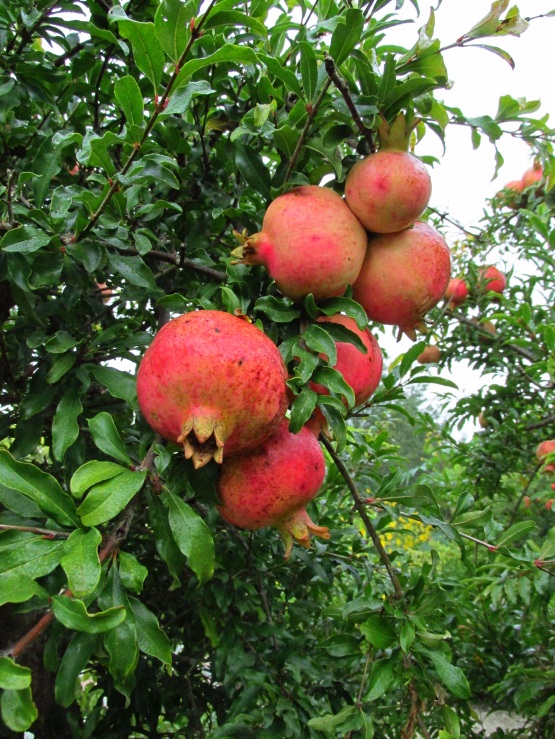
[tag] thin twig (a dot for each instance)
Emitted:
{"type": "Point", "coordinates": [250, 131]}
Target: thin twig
{"type": "Point", "coordinates": [359, 505]}
{"type": "Point", "coordinates": [343, 88]}
{"type": "Point", "coordinates": [47, 533]}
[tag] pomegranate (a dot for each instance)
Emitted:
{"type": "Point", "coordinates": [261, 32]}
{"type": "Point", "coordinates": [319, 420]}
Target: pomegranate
{"type": "Point", "coordinates": [482, 420]}
{"type": "Point", "coordinates": [532, 176]}
{"type": "Point", "coordinates": [456, 292]}
{"type": "Point", "coordinates": [430, 355]}
{"type": "Point", "coordinates": [271, 485]}
{"type": "Point", "coordinates": [388, 191]}
{"type": "Point", "coordinates": [492, 280]}
{"type": "Point", "coordinates": [214, 383]}
{"type": "Point", "coordinates": [310, 242]}
{"type": "Point", "coordinates": [403, 276]}
{"type": "Point", "coordinates": [362, 372]}
{"type": "Point", "coordinates": [543, 449]}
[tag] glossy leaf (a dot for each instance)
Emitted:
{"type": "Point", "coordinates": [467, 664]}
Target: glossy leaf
{"type": "Point", "coordinates": [13, 676]}
{"type": "Point", "coordinates": [73, 614]}
{"type": "Point", "coordinates": [106, 437]}
{"type": "Point", "coordinates": [18, 710]}
{"type": "Point", "coordinates": [65, 428]}
{"type": "Point", "coordinates": [91, 473]}
{"type": "Point", "coordinates": [80, 561]}
{"type": "Point", "coordinates": [105, 500]}
{"type": "Point", "coordinates": [74, 661]}
{"type": "Point", "coordinates": [192, 536]}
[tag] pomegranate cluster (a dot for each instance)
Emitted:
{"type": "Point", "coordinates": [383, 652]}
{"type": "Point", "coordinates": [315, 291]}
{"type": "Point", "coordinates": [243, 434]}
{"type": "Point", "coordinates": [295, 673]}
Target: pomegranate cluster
{"type": "Point", "coordinates": [215, 384]}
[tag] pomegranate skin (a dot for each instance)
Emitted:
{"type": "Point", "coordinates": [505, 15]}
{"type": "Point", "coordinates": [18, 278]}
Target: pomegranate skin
{"type": "Point", "coordinates": [271, 485]}
{"type": "Point", "coordinates": [310, 242]}
{"type": "Point", "coordinates": [492, 280]}
{"type": "Point", "coordinates": [362, 372]}
{"type": "Point", "coordinates": [430, 355]}
{"type": "Point", "coordinates": [543, 449]}
{"type": "Point", "coordinates": [388, 190]}
{"type": "Point", "coordinates": [532, 176]}
{"type": "Point", "coordinates": [214, 383]}
{"type": "Point", "coordinates": [403, 276]}
{"type": "Point", "coordinates": [457, 292]}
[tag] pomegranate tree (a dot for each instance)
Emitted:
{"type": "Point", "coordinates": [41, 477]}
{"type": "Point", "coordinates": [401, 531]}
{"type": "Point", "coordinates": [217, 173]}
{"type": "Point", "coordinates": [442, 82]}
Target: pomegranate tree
{"type": "Point", "coordinates": [272, 484]}
{"type": "Point", "coordinates": [310, 242]}
{"type": "Point", "coordinates": [403, 276]}
{"type": "Point", "coordinates": [214, 383]}
{"type": "Point", "coordinates": [389, 189]}
{"type": "Point", "coordinates": [361, 371]}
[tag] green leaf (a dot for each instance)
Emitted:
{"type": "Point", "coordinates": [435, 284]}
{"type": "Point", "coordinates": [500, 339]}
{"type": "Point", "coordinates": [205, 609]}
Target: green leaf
{"type": "Point", "coordinates": [309, 69]}
{"type": "Point", "coordinates": [452, 677]}
{"type": "Point", "coordinates": [253, 169]}
{"type": "Point", "coordinates": [13, 676]}
{"type": "Point", "coordinates": [499, 52]}
{"type": "Point", "coordinates": [119, 384]}
{"type": "Point", "coordinates": [516, 531]}
{"type": "Point", "coordinates": [333, 380]}
{"type": "Point", "coordinates": [80, 561]}
{"type": "Point", "coordinates": [121, 645]}
{"type": "Point", "coordinates": [91, 473]}
{"type": "Point", "coordinates": [172, 25]}
{"type": "Point", "coordinates": [40, 487]}
{"type": "Point", "coordinates": [24, 240]}
{"type": "Point", "coordinates": [73, 615]}
{"type": "Point", "coordinates": [128, 94]}
{"type": "Point", "coordinates": [344, 335]}
{"type": "Point", "coordinates": [349, 307]}
{"type": "Point", "coordinates": [276, 310]}
{"type": "Point", "coordinates": [75, 659]}
{"type": "Point", "coordinates": [302, 408]}
{"type": "Point", "coordinates": [428, 379]}
{"type": "Point", "coordinates": [409, 358]}
{"type": "Point", "coordinates": [406, 637]}
{"type": "Point", "coordinates": [381, 678]}
{"type": "Point", "coordinates": [319, 340]}
{"type": "Point", "coordinates": [150, 637]}
{"type": "Point", "coordinates": [147, 49]}
{"type": "Point", "coordinates": [379, 631]}
{"type": "Point", "coordinates": [180, 100]}
{"type": "Point", "coordinates": [235, 18]}
{"type": "Point", "coordinates": [65, 428]}
{"type": "Point", "coordinates": [192, 536]}
{"type": "Point", "coordinates": [163, 537]}
{"type": "Point", "coordinates": [106, 437]}
{"type": "Point", "coordinates": [60, 343]}
{"type": "Point", "coordinates": [286, 76]}
{"type": "Point", "coordinates": [134, 270]}
{"type": "Point", "coordinates": [346, 35]}
{"type": "Point", "coordinates": [18, 710]}
{"type": "Point", "coordinates": [228, 53]}
{"type": "Point", "coordinates": [132, 573]}
{"type": "Point", "coordinates": [330, 723]}
{"type": "Point", "coordinates": [105, 500]}
{"type": "Point", "coordinates": [452, 723]}
{"type": "Point", "coordinates": [60, 367]}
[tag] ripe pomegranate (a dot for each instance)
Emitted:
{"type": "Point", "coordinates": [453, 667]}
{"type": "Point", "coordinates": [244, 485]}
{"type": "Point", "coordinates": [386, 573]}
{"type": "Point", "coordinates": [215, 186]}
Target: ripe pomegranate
{"type": "Point", "coordinates": [549, 504]}
{"type": "Point", "coordinates": [542, 450]}
{"type": "Point", "coordinates": [403, 276]}
{"type": "Point", "coordinates": [310, 242]}
{"type": "Point", "coordinates": [430, 355]}
{"type": "Point", "coordinates": [456, 292]}
{"type": "Point", "coordinates": [389, 189]}
{"type": "Point", "coordinates": [214, 383]}
{"type": "Point", "coordinates": [482, 420]}
{"type": "Point", "coordinates": [492, 280]}
{"type": "Point", "coordinates": [514, 185]}
{"type": "Point", "coordinates": [272, 484]}
{"type": "Point", "coordinates": [532, 176]}
{"type": "Point", "coordinates": [362, 372]}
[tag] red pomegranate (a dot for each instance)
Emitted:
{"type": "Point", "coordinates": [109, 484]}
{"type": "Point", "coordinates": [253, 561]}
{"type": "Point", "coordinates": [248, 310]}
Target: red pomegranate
{"type": "Point", "coordinates": [362, 372]}
{"type": "Point", "coordinates": [272, 484]}
{"type": "Point", "coordinates": [492, 280]}
{"type": "Point", "coordinates": [390, 189]}
{"type": "Point", "coordinates": [457, 292]}
{"type": "Point", "coordinates": [543, 449]}
{"type": "Point", "coordinates": [430, 355]}
{"type": "Point", "coordinates": [214, 383]}
{"type": "Point", "coordinates": [403, 276]}
{"type": "Point", "coordinates": [310, 242]}
{"type": "Point", "coordinates": [532, 176]}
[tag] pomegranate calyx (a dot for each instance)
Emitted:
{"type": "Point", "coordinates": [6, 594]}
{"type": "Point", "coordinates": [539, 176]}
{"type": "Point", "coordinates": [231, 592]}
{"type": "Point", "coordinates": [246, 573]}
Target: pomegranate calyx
{"type": "Point", "coordinates": [203, 438]}
{"type": "Point", "coordinates": [299, 528]}
{"type": "Point", "coordinates": [396, 135]}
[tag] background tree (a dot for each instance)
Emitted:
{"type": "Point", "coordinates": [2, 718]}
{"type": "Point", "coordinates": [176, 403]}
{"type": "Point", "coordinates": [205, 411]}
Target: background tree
{"type": "Point", "coordinates": [135, 139]}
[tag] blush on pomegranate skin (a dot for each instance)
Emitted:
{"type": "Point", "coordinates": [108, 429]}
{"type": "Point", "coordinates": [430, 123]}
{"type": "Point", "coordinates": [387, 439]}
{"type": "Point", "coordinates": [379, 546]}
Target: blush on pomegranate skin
{"type": "Point", "coordinates": [457, 292]}
{"type": "Point", "coordinates": [403, 276]}
{"type": "Point", "coordinates": [430, 355]}
{"type": "Point", "coordinates": [272, 484]}
{"type": "Point", "coordinates": [310, 242]}
{"type": "Point", "coordinates": [388, 190]}
{"type": "Point", "coordinates": [362, 372]}
{"type": "Point", "coordinates": [214, 383]}
{"type": "Point", "coordinates": [492, 280]}
{"type": "Point", "coordinates": [532, 176]}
